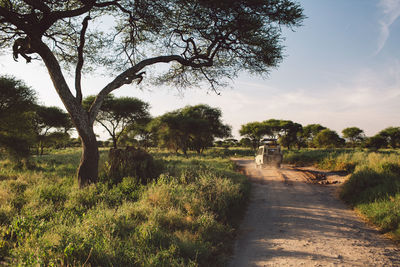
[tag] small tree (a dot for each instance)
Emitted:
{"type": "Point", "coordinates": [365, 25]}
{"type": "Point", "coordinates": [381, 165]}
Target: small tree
{"type": "Point", "coordinates": [353, 135]}
{"type": "Point", "coordinates": [204, 126]}
{"type": "Point", "coordinates": [245, 142]}
{"type": "Point", "coordinates": [273, 128]}
{"type": "Point", "coordinates": [328, 139]}
{"type": "Point", "coordinates": [193, 127]}
{"type": "Point", "coordinates": [289, 133]}
{"type": "Point", "coordinates": [116, 114]}
{"type": "Point", "coordinates": [16, 113]}
{"type": "Point", "coordinates": [392, 135]}
{"type": "Point", "coordinates": [309, 132]}
{"type": "Point", "coordinates": [138, 134]}
{"type": "Point", "coordinates": [255, 131]}
{"type": "Point", "coordinates": [172, 131]}
{"type": "Point", "coordinates": [284, 130]}
{"type": "Point", "coordinates": [47, 121]}
{"type": "Point", "coordinates": [376, 142]}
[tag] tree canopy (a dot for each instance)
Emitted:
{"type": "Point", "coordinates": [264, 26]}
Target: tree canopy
{"type": "Point", "coordinates": [354, 135]}
{"type": "Point", "coordinates": [190, 128]}
{"type": "Point", "coordinates": [116, 114]}
{"type": "Point", "coordinates": [392, 136]}
{"type": "Point", "coordinates": [376, 142]}
{"type": "Point", "coordinates": [328, 139]}
{"type": "Point", "coordinates": [16, 113]}
{"type": "Point", "coordinates": [309, 132]}
{"type": "Point", "coordinates": [50, 124]}
{"type": "Point", "coordinates": [200, 40]}
{"type": "Point", "coordinates": [284, 130]}
{"type": "Point", "coordinates": [255, 131]}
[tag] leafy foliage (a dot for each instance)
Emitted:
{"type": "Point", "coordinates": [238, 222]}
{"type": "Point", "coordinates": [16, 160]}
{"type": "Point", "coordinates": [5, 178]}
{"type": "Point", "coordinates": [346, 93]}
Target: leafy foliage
{"type": "Point", "coordinates": [193, 127]}
{"type": "Point", "coordinates": [392, 136]}
{"type": "Point", "coordinates": [117, 114]}
{"type": "Point", "coordinates": [255, 131]}
{"type": "Point", "coordinates": [16, 114]}
{"type": "Point", "coordinates": [131, 162]}
{"type": "Point", "coordinates": [51, 125]}
{"type": "Point", "coordinates": [376, 142]}
{"type": "Point", "coordinates": [309, 132]}
{"type": "Point", "coordinates": [354, 135]}
{"type": "Point", "coordinates": [328, 139]}
{"type": "Point", "coordinates": [284, 130]}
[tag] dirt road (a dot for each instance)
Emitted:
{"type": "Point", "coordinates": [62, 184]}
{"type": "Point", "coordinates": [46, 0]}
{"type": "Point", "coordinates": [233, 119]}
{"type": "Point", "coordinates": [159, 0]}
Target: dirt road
{"type": "Point", "coordinates": [293, 223]}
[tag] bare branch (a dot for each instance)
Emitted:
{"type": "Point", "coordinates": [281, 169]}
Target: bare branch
{"type": "Point", "coordinates": [105, 126]}
{"type": "Point", "coordinates": [211, 81]}
{"type": "Point", "coordinates": [79, 65]}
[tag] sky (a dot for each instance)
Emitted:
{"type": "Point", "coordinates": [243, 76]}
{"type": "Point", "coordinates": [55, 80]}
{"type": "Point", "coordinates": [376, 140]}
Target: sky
{"type": "Point", "coordinates": [341, 69]}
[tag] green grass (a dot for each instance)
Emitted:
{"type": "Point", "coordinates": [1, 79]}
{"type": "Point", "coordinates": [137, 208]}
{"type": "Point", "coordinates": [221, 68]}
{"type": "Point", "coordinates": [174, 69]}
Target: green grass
{"type": "Point", "coordinates": [373, 187]}
{"type": "Point", "coordinates": [185, 218]}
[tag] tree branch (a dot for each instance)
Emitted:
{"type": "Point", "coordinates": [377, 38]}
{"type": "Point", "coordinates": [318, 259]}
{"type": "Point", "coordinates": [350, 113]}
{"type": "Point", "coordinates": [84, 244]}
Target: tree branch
{"type": "Point", "coordinates": [131, 74]}
{"type": "Point", "coordinates": [79, 65]}
{"type": "Point", "coordinates": [38, 5]}
{"type": "Point", "coordinates": [62, 88]}
{"type": "Point", "coordinates": [12, 18]}
{"type": "Point", "coordinates": [56, 15]}
{"type": "Point", "coordinates": [105, 126]}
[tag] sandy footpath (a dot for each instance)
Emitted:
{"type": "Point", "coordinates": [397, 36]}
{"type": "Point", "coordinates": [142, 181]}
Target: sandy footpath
{"type": "Point", "coordinates": [293, 223]}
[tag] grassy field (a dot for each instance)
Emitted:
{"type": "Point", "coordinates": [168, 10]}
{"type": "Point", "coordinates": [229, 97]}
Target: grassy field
{"type": "Point", "coordinates": [186, 217]}
{"type": "Point", "coordinates": [373, 187]}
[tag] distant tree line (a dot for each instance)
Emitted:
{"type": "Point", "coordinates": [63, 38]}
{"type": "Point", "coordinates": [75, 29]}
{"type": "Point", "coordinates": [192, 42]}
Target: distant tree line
{"type": "Point", "coordinates": [27, 127]}
{"type": "Point", "coordinates": [294, 135]}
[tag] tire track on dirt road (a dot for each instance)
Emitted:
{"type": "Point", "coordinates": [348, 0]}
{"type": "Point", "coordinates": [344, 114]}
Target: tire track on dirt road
{"type": "Point", "coordinates": [293, 223]}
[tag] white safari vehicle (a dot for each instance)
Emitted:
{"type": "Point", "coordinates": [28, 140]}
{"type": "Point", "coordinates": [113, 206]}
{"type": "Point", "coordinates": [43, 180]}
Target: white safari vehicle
{"type": "Point", "coordinates": [269, 155]}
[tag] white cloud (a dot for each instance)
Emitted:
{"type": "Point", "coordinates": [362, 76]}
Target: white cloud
{"type": "Point", "coordinates": [391, 11]}
{"type": "Point", "coordinates": [369, 100]}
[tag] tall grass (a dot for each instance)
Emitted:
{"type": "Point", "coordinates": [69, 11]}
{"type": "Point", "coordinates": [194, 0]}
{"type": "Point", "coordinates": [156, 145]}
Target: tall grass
{"type": "Point", "coordinates": [185, 218]}
{"type": "Point", "coordinates": [373, 186]}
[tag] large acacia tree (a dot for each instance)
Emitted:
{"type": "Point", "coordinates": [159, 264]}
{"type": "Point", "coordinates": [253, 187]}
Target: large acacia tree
{"type": "Point", "coordinates": [200, 40]}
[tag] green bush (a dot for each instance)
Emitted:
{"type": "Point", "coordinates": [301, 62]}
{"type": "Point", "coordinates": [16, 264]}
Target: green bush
{"type": "Point", "coordinates": [131, 162]}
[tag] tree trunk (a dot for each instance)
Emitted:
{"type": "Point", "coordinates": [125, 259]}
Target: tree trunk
{"type": "Point", "coordinates": [114, 142]}
{"type": "Point", "coordinates": [88, 168]}
{"type": "Point", "coordinates": [41, 148]}
{"type": "Point", "coordinates": [89, 165]}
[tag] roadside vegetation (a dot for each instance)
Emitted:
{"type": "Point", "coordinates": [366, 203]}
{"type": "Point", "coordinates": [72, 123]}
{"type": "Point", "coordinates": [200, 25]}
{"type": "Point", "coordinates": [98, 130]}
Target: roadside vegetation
{"type": "Point", "coordinates": [373, 186]}
{"type": "Point", "coordinates": [186, 216]}
{"type": "Point", "coordinates": [373, 163]}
